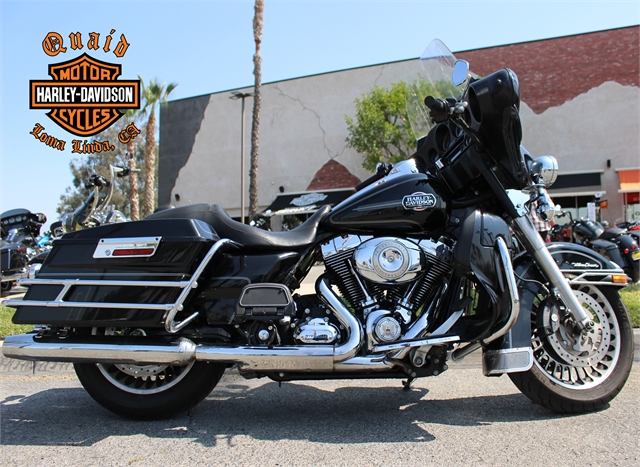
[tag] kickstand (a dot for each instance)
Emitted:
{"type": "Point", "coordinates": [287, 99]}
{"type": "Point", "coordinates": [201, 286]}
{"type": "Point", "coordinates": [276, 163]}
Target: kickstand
{"type": "Point", "coordinates": [406, 385]}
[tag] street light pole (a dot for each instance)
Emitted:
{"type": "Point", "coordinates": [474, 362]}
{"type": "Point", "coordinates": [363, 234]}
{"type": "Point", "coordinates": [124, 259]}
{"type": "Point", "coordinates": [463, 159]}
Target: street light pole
{"type": "Point", "coordinates": [241, 95]}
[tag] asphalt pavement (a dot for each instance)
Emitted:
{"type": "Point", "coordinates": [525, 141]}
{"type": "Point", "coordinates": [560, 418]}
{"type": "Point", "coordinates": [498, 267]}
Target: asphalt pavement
{"type": "Point", "coordinates": [459, 418]}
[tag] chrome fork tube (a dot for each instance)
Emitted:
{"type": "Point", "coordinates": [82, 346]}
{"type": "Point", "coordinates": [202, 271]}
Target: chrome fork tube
{"type": "Point", "coordinates": [530, 238]}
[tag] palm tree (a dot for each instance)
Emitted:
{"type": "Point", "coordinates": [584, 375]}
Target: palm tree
{"type": "Point", "coordinates": [153, 94]}
{"type": "Point", "coordinates": [257, 72]}
{"type": "Point", "coordinates": [134, 197]}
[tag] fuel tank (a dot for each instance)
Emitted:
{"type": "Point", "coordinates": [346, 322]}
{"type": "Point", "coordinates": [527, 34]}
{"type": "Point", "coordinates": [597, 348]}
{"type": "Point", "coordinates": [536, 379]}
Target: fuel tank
{"type": "Point", "coordinates": [404, 201]}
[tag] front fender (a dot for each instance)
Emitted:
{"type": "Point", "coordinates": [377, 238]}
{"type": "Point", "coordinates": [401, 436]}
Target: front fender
{"type": "Point", "coordinates": [578, 264]}
{"type": "Point", "coordinates": [582, 265]}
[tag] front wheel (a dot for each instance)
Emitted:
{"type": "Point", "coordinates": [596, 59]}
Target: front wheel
{"type": "Point", "coordinates": [149, 392]}
{"type": "Point", "coordinates": [573, 372]}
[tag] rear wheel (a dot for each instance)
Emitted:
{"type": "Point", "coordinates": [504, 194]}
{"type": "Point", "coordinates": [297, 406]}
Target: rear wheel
{"type": "Point", "coordinates": [149, 392]}
{"type": "Point", "coordinates": [574, 372]}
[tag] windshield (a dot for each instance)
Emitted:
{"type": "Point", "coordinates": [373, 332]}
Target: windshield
{"type": "Point", "coordinates": [431, 77]}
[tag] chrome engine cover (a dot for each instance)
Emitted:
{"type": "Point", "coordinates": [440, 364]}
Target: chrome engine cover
{"type": "Point", "coordinates": [316, 331]}
{"type": "Point", "coordinates": [388, 260]}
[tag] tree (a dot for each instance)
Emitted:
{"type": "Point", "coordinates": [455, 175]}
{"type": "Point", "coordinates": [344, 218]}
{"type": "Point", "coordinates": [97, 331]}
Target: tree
{"type": "Point", "coordinates": [387, 120]}
{"type": "Point", "coordinates": [255, 125]}
{"type": "Point", "coordinates": [381, 129]}
{"type": "Point", "coordinates": [153, 94]}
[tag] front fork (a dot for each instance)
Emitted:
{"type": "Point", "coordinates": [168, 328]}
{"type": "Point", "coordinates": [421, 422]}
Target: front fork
{"type": "Point", "coordinates": [535, 246]}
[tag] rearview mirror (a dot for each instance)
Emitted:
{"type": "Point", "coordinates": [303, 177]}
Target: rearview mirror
{"type": "Point", "coordinates": [460, 72]}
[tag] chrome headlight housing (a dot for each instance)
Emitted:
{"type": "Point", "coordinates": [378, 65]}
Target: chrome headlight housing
{"type": "Point", "coordinates": [544, 170]}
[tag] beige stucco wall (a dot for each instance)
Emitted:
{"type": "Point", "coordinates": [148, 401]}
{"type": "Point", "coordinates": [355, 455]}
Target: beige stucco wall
{"type": "Point", "coordinates": [583, 133]}
{"type": "Point", "coordinates": [302, 126]}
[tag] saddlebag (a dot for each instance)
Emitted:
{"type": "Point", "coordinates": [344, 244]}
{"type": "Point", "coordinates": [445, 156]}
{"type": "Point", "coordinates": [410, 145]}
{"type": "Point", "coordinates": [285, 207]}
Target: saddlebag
{"type": "Point", "coordinates": [125, 274]}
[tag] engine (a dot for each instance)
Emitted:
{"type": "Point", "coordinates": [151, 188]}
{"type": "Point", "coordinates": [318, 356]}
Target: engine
{"type": "Point", "coordinates": [387, 280]}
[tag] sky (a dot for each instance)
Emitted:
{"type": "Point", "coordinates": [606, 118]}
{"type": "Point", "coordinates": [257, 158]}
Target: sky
{"type": "Point", "coordinates": [208, 47]}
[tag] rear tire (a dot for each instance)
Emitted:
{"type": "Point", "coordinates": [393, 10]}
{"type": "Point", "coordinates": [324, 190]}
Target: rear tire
{"type": "Point", "coordinates": [149, 392]}
{"type": "Point", "coordinates": [583, 374]}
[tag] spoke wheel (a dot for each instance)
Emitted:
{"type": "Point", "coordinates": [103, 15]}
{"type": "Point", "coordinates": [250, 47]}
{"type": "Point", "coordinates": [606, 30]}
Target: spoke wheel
{"type": "Point", "coordinates": [577, 372]}
{"type": "Point", "coordinates": [144, 379]}
{"type": "Point", "coordinates": [577, 360]}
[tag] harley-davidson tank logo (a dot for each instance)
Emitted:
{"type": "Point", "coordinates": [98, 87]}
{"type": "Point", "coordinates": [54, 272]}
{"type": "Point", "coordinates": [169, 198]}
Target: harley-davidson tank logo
{"type": "Point", "coordinates": [84, 95]}
{"type": "Point", "coordinates": [418, 201]}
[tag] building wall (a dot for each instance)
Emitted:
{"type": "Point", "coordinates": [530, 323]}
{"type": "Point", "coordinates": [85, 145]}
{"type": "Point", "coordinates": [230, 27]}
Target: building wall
{"type": "Point", "coordinates": [580, 103]}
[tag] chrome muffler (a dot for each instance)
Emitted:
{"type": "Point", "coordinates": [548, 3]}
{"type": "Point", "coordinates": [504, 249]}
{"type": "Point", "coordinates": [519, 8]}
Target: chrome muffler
{"type": "Point", "coordinates": [183, 351]}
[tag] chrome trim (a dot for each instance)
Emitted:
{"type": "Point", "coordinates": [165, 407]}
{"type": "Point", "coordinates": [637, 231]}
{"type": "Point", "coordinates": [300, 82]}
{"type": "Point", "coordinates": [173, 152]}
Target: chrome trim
{"type": "Point", "coordinates": [400, 345]}
{"type": "Point", "coordinates": [169, 323]}
{"type": "Point", "coordinates": [171, 309]}
{"type": "Point", "coordinates": [345, 317]}
{"type": "Point", "coordinates": [106, 246]}
{"type": "Point", "coordinates": [512, 288]}
{"type": "Point", "coordinates": [421, 323]}
{"type": "Point", "coordinates": [14, 277]}
{"type": "Point", "coordinates": [371, 363]}
{"type": "Point", "coordinates": [497, 362]}
{"type": "Point", "coordinates": [401, 265]}
{"type": "Point", "coordinates": [183, 351]}
{"type": "Point", "coordinates": [24, 347]}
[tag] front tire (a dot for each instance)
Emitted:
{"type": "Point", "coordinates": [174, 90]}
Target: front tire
{"type": "Point", "coordinates": [149, 392]}
{"type": "Point", "coordinates": [578, 373]}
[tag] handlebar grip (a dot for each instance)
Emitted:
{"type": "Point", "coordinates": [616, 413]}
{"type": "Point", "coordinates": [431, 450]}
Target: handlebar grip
{"type": "Point", "coordinates": [434, 104]}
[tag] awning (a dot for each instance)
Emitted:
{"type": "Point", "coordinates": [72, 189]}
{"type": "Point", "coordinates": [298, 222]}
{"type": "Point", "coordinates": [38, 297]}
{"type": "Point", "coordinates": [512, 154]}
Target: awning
{"type": "Point", "coordinates": [629, 180]}
{"type": "Point", "coordinates": [306, 202]}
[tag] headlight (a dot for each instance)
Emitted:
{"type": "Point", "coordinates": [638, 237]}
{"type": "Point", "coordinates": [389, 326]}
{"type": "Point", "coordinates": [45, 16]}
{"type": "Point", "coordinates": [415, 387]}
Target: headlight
{"type": "Point", "coordinates": [544, 169]}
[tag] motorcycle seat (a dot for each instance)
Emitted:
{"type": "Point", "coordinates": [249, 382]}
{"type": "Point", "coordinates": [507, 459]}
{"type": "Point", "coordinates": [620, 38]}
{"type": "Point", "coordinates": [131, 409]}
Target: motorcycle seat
{"type": "Point", "coordinates": [251, 237]}
{"type": "Point", "coordinates": [612, 233]}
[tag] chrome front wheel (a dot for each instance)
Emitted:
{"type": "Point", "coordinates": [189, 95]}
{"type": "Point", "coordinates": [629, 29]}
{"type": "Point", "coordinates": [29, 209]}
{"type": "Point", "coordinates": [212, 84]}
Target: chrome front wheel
{"type": "Point", "coordinates": [577, 372]}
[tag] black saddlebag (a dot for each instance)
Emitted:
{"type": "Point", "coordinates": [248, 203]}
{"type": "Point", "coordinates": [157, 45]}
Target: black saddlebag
{"type": "Point", "coordinates": [126, 274]}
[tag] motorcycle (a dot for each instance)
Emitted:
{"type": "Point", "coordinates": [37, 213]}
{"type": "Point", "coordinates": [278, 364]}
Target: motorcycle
{"type": "Point", "coordinates": [420, 269]}
{"type": "Point", "coordinates": [19, 243]}
{"type": "Point", "coordinates": [95, 211]}
{"type": "Point", "coordinates": [613, 243]}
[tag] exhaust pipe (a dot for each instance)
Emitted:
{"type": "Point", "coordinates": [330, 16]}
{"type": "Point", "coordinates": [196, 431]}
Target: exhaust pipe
{"type": "Point", "coordinates": [184, 351]}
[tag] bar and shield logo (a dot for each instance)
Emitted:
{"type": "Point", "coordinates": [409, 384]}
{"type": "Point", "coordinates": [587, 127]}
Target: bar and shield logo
{"type": "Point", "coordinates": [84, 95]}
{"type": "Point", "coordinates": [418, 201]}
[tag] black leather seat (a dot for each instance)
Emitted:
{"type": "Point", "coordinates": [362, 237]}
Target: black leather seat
{"type": "Point", "coordinates": [612, 233]}
{"type": "Point", "coordinates": [253, 237]}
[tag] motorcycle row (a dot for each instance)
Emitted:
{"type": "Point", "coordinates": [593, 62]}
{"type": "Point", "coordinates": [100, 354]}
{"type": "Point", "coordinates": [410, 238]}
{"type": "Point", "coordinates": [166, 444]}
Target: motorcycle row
{"type": "Point", "coordinates": [23, 248]}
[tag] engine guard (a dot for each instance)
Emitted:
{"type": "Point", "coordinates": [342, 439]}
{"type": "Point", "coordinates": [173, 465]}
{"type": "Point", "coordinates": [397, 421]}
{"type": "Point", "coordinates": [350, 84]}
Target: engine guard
{"type": "Point", "coordinates": [512, 352]}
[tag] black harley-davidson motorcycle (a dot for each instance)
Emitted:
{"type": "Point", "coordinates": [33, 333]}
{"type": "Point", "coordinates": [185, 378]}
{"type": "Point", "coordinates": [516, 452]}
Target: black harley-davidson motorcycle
{"type": "Point", "coordinates": [421, 269]}
{"type": "Point", "coordinates": [19, 242]}
{"type": "Point", "coordinates": [613, 243]}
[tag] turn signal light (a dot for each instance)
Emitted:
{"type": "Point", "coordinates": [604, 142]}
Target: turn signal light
{"type": "Point", "coordinates": [619, 278]}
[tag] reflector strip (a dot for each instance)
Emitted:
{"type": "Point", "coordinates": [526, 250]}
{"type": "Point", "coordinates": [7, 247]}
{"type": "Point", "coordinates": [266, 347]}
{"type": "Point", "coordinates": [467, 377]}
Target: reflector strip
{"type": "Point", "coordinates": [134, 252]}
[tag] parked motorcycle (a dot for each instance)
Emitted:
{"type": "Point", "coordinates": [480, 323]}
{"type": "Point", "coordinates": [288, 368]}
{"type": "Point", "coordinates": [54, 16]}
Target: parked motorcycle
{"type": "Point", "coordinates": [613, 243]}
{"type": "Point", "coordinates": [419, 271]}
{"type": "Point", "coordinates": [95, 211]}
{"type": "Point", "coordinates": [19, 243]}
